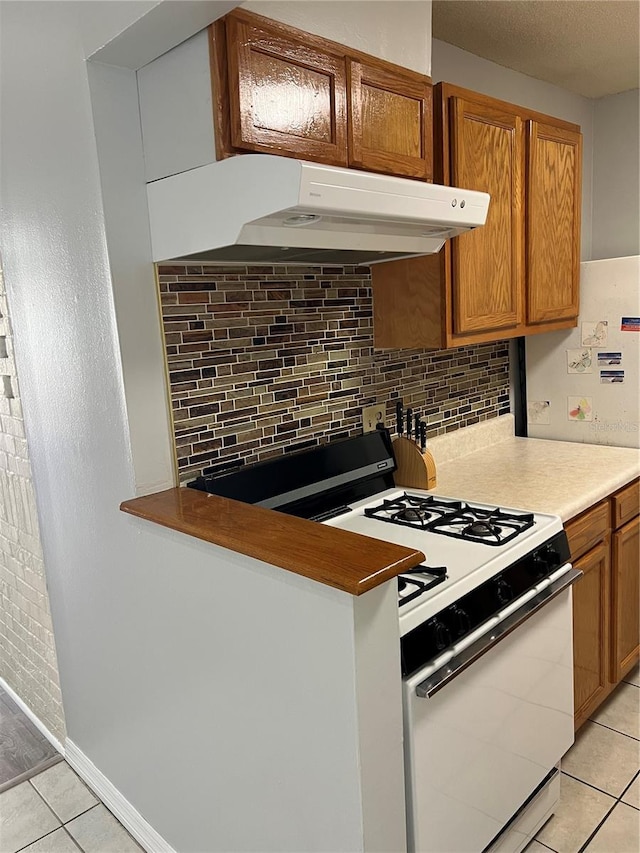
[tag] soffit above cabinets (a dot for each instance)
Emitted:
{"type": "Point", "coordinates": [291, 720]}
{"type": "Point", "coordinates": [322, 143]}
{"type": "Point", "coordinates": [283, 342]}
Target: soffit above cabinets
{"type": "Point", "coordinates": [590, 48]}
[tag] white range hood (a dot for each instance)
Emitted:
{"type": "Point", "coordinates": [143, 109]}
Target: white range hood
{"type": "Point", "coordinates": [262, 208]}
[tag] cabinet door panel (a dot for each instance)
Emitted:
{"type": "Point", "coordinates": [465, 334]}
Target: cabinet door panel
{"type": "Point", "coordinates": [390, 120]}
{"type": "Point", "coordinates": [285, 96]}
{"type": "Point", "coordinates": [553, 222]}
{"type": "Point", "coordinates": [625, 599]}
{"type": "Point", "coordinates": [591, 632]}
{"type": "Point", "coordinates": [487, 155]}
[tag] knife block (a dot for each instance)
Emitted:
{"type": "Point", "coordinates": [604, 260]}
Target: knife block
{"type": "Point", "coordinates": [416, 470]}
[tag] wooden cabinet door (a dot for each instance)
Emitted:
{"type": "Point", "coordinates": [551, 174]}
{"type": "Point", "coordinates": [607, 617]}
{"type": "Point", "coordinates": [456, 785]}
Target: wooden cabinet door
{"type": "Point", "coordinates": [389, 120]}
{"type": "Point", "coordinates": [487, 153]}
{"type": "Point", "coordinates": [286, 96]}
{"type": "Point", "coordinates": [554, 175]}
{"type": "Point", "coordinates": [591, 632]}
{"type": "Point", "coordinates": [625, 594]}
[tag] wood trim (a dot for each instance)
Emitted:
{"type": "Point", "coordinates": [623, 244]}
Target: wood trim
{"type": "Point", "coordinates": [625, 598]}
{"type": "Point", "coordinates": [220, 89]}
{"type": "Point", "coordinates": [328, 555]}
{"type": "Point", "coordinates": [586, 530]}
{"type": "Point", "coordinates": [626, 504]}
{"type": "Point", "coordinates": [588, 600]}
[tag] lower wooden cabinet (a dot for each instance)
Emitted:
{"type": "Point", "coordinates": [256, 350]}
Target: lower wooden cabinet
{"type": "Point", "coordinates": [625, 599]}
{"type": "Point", "coordinates": [605, 545]}
{"type": "Point", "coordinates": [591, 609]}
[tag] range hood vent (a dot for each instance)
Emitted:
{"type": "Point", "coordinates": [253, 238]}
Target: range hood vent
{"type": "Point", "coordinates": [262, 208]}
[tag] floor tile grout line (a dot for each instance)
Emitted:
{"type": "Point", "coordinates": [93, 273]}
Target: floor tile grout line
{"type": "Point", "coordinates": [34, 840]}
{"type": "Point", "coordinates": [611, 729]}
{"type": "Point", "coordinates": [601, 790]}
{"type": "Point", "coordinates": [598, 828]}
{"type": "Point", "coordinates": [94, 806]}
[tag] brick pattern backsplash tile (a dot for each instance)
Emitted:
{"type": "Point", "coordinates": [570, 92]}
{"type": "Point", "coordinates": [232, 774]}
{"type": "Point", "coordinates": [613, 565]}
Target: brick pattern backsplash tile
{"type": "Point", "coordinates": [265, 360]}
{"type": "Point", "coordinates": [28, 660]}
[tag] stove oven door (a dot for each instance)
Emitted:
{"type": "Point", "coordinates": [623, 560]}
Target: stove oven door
{"type": "Point", "coordinates": [478, 746]}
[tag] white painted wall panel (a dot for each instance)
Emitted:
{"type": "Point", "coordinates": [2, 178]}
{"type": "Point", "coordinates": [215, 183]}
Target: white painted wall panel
{"type": "Point", "coordinates": [396, 30]}
{"type": "Point", "coordinates": [176, 110]}
{"type": "Point", "coordinates": [616, 176]}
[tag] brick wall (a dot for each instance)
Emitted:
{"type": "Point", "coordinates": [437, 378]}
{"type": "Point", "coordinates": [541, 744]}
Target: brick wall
{"type": "Point", "coordinates": [265, 360]}
{"type": "Point", "coordinates": [27, 650]}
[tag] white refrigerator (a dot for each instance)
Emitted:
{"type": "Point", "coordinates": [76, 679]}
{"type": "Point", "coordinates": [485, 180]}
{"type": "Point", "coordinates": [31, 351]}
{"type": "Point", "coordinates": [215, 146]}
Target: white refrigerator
{"type": "Point", "coordinates": [582, 383]}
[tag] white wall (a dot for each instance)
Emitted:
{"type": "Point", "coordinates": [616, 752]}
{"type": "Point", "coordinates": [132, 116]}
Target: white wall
{"type": "Point", "coordinates": [163, 692]}
{"type": "Point", "coordinates": [453, 65]}
{"type": "Point", "coordinates": [28, 664]}
{"type": "Point", "coordinates": [616, 176]}
{"type": "Point", "coordinates": [396, 30]}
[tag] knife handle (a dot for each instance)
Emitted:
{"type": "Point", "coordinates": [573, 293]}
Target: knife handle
{"type": "Point", "coordinates": [423, 436]}
{"type": "Point", "coordinates": [409, 421]}
{"type": "Point", "coordinates": [417, 422]}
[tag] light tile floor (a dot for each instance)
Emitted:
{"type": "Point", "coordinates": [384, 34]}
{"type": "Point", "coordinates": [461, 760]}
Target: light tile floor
{"type": "Point", "coordinates": [54, 812]}
{"type": "Point", "coordinates": [599, 809]}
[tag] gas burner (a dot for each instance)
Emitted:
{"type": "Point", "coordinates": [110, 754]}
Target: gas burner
{"type": "Point", "coordinates": [482, 529]}
{"type": "Point", "coordinates": [413, 510]}
{"type": "Point", "coordinates": [488, 526]}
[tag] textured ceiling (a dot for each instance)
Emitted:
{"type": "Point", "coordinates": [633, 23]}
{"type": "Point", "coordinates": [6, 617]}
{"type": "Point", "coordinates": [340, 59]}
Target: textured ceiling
{"type": "Point", "coordinates": [590, 47]}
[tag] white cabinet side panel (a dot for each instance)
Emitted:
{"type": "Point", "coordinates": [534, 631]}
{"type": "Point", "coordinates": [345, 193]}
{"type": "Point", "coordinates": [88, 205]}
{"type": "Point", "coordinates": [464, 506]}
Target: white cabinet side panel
{"type": "Point", "coordinates": [379, 697]}
{"type": "Point", "coordinates": [176, 109]}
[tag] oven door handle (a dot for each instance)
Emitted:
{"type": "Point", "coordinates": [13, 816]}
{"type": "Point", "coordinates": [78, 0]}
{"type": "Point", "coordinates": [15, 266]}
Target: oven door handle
{"type": "Point", "coordinates": [458, 663]}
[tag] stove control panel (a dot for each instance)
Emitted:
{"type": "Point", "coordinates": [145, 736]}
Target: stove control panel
{"type": "Point", "coordinates": [427, 641]}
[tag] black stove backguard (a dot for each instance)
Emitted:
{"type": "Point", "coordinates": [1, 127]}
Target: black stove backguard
{"type": "Point", "coordinates": [317, 483]}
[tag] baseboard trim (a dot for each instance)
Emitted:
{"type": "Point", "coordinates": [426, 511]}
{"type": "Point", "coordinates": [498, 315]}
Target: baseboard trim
{"type": "Point", "coordinates": [37, 722]}
{"type": "Point", "coordinates": [128, 816]}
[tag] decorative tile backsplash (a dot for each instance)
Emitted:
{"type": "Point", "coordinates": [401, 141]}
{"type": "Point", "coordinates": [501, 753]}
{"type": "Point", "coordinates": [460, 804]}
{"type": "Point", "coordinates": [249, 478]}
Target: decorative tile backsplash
{"type": "Point", "coordinates": [266, 360]}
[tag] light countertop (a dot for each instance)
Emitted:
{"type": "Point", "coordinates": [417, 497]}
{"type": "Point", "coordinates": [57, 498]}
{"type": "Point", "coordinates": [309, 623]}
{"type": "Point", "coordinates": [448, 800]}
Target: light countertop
{"type": "Point", "coordinates": [564, 478]}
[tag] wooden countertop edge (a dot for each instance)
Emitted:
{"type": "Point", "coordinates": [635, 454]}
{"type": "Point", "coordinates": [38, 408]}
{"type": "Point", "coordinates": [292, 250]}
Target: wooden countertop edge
{"type": "Point", "coordinates": [338, 558]}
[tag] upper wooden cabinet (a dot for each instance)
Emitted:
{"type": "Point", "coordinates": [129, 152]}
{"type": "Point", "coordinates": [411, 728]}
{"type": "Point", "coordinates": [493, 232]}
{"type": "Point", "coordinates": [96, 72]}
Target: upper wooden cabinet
{"type": "Point", "coordinates": [280, 90]}
{"type": "Point", "coordinates": [516, 275]}
{"type": "Point", "coordinates": [554, 169]}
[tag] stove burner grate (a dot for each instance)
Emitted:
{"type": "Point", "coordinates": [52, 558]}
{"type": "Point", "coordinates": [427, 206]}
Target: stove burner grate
{"type": "Point", "coordinates": [413, 510]}
{"type": "Point", "coordinates": [410, 586]}
{"type": "Point", "coordinates": [489, 526]}
{"type": "Point", "coordinates": [453, 518]}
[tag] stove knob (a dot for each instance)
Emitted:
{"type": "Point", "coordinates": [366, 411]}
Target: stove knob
{"type": "Point", "coordinates": [461, 620]}
{"type": "Point", "coordinates": [504, 593]}
{"type": "Point", "coordinates": [540, 566]}
{"type": "Point", "coordinates": [440, 633]}
{"type": "Point", "coordinates": [553, 558]}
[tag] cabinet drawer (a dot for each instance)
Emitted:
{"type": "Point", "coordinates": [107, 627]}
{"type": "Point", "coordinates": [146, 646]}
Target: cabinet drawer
{"type": "Point", "coordinates": [588, 529]}
{"type": "Point", "coordinates": [626, 504]}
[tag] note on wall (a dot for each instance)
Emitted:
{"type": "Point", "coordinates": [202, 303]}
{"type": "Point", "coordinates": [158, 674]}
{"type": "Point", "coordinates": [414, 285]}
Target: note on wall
{"type": "Point", "coordinates": [595, 334]}
{"type": "Point", "coordinates": [538, 412]}
{"type": "Point", "coordinates": [580, 408]}
{"type": "Point", "coordinates": [630, 324]}
{"type": "Point", "coordinates": [579, 360]}
{"type": "Point", "coordinates": [608, 358]}
{"type": "Point", "coordinates": [609, 376]}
